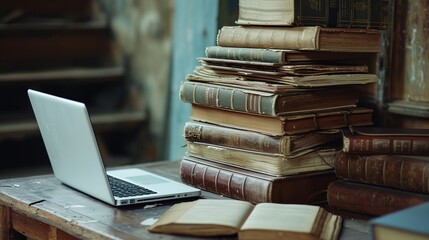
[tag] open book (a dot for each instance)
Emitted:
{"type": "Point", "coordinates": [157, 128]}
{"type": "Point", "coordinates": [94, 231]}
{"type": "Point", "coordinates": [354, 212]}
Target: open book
{"type": "Point", "coordinates": [206, 217]}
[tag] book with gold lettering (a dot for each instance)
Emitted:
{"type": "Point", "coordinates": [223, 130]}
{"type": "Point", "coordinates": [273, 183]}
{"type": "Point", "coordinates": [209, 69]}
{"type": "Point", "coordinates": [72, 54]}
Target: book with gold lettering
{"type": "Point", "coordinates": [375, 140]}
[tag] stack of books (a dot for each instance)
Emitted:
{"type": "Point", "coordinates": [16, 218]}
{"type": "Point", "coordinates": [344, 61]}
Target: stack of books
{"type": "Point", "coordinates": [268, 103]}
{"type": "Point", "coordinates": [381, 170]}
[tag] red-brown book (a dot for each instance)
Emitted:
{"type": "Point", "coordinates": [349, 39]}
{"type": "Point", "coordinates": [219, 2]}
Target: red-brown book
{"type": "Point", "coordinates": [402, 172]}
{"type": "Point", "coordinates": [398, 141]}
{"type": "Point", "coordinates": [255, 187]}
{"type": "Point", "coordinates": [370, 199]}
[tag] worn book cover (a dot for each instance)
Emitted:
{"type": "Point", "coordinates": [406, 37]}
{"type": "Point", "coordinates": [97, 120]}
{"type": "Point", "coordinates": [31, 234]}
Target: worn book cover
{"type": "Point", "coordinates": [297, 76]}
{"type": "Point", "coordinates": [281, 56]}
{"type": "Point", "coordinates": [264, 69]}
{"type": "Point", "coordinates": [272, 164]}
{"type": "Point", "coordinates": [376, 140]}
{"type": "Point", "coordinates": [370, 199]}
{"type": "Point", "coordinates": [403, 172]}
{"type": "Point", "coordinates": [206, 217]}
{"type": "Point", "coordinates": [254, 187]}
{"type": "Point", "coordinates": [286, 102]}
{"type": "Point", "coordinates": [311, 38]}
{"type": "Point", "coordinates": [249, 140]}
{"type": "Point", "coordinates": [284, 125]}
{"type": "Point", "coordinates": [333, 13]}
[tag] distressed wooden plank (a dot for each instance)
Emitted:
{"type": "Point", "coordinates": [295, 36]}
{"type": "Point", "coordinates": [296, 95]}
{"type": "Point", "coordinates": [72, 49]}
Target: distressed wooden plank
{"type": "Point", "coordinates": [4, 222]}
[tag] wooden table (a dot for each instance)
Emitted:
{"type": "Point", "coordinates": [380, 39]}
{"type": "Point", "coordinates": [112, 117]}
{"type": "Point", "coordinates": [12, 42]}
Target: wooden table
{"type": "Point", "coordinates": [40, 207]}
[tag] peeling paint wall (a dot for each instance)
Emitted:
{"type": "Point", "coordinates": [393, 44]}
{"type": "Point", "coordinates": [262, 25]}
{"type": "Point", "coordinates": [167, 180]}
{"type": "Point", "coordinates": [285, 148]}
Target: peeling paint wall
{"type": "Point", "coordinates": [142, 30]}
{"type": "Point", "coordinates": [417, 51]}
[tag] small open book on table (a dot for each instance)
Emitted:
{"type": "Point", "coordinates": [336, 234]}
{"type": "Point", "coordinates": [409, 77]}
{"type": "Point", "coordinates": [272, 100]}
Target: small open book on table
{"type": "Point", "coordinates": [206, 217]}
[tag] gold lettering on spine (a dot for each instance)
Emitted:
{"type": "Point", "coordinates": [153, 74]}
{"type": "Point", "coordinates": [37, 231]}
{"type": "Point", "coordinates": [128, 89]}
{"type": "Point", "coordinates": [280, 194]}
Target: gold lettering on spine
{"type": "Point", "coordinates": [420, 147]}
{"type": "Point", "coordinates": [381, 145]}
{"type": "Point", "coordinates": [401, 146]}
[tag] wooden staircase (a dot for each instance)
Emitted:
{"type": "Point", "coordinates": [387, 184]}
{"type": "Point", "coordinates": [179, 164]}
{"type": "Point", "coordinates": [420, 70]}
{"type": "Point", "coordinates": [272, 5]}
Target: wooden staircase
{"type": "Point", "coordinates": [62, 48]}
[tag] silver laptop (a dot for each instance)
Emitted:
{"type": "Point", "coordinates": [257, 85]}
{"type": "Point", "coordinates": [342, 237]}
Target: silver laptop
{"type": "Point", "coordinates": [76, 161]}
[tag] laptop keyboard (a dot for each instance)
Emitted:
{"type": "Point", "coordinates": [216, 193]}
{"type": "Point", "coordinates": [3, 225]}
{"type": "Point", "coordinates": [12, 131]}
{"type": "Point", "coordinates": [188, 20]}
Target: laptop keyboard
{"type": "Point", "coordinates": [123, 189]}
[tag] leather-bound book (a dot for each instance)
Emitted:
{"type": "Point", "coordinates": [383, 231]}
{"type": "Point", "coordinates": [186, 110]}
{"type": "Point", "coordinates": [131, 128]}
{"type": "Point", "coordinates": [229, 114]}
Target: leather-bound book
{"type": "Point", "coordinates": [398, 141]}
{"type": "Point", "coordinates": [249, 140]}
{"type": "Point", "coordinates": [255, 187]}
{"type": "Point", "coordinates": [282, 102]}
{"type": "Point", "coordinates": [301, 38]}
{"type": "Point", "coordinates": [402, 172]}
{"type": "Point", "coordinates": [284, 125]}
{"type": "Point", "coordinates": [370, 199]}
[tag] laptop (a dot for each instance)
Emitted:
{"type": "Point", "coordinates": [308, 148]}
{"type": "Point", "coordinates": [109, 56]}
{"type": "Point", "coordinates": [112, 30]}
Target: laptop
{"type": "Point", "coordinates": [71, 145]}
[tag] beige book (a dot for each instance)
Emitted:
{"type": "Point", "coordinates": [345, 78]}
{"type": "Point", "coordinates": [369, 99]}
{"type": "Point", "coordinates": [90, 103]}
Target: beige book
{"type": "Point", "coordinates": [271, 164]}
{"type": "Point", "coordinates": [206, 217]}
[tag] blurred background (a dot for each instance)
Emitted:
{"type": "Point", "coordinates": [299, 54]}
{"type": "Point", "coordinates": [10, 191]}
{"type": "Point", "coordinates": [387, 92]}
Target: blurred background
{"type": "Point", "coordinates": [124, 59]}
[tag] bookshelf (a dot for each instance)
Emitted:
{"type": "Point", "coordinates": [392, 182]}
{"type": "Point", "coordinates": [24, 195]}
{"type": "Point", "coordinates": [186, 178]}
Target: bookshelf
{"type": "Point", "coordinates": [66, 49]}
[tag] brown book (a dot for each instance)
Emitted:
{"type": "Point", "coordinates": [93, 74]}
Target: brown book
{"type": "Point", "coordinates": [284, 125]}
{"type": "Point", "coordinates": [295, 75]}
{"type": "Point", "coordinates": [249, 140]}
{"type": "Point", "coordinates": [281, 56]}
{"type": "Point", "coordinates": [301, 38]}
{"type": "Point", "coordinates": [375, 140]}
{"type": "Point", "coordinates": [369, 199]}
{"type": "Point", "coordinates": [259, 102]}
{"type": "Point", "coordinates": [271, 164]}
{"type": "Point", "coordinates": [402, 172]}
{"type": "Point", "coordinates": [255, 187]}
{"type": "Point", "coordinates": [207, 217]}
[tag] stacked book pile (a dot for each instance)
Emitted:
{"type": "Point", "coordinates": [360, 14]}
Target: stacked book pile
{"type": "Point", "coordinates": [268, 103]}
{"type": "Point", "coordinates": [381, 170]}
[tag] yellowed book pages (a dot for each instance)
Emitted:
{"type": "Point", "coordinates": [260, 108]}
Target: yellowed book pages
{"type": "Point", "coordinates": [206, 217]}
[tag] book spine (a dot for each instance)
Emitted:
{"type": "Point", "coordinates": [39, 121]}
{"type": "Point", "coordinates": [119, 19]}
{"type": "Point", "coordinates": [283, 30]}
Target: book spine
{"type": "Point", "coordinates": [368, 199]}
{"type": "Point", "coordinates": [363, 13]}
{"type": "Point", "coordinates": [227, 98]}
{"type": "Point", "coordinates": [214, 134]}
{"type": "Point", "coordinates": [245, 54]}
{"type": "Point", "coordinates": [385, 170]}
{"type": "Point", "coordinates": [418, 146]}
{"type": "Point", "coordinates": [297, 38]}
{"type": "Point", "coordinates": [320, 13]}
{"type": "Point", "coordinates": [226, 183]}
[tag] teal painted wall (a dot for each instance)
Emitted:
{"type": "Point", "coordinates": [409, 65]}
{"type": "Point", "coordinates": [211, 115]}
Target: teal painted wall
{"type": "Point", "coordinates": [195, 25]}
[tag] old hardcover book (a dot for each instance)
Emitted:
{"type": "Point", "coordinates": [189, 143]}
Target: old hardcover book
{"type": "Point", "coordinates": [272, 164]}
{"type": "Point", "coordinates": [301, 38]}
{"type": "Point", "coordinates": [297, 75]}
{"type": "Point", "coordinates": [344, 13]}
{"type": "Point", "coordinates": [249, 140]}
{"type": "Point", "coordinates": [284, 125]}
{"type": "Point", "coordinates": [206, 217]}
{"type": "Point", "coordinates": [403, 172]}
{"type": "Point", "coordinates": [254, 187]}
{"type": "Point", "coordinates": [376, 140]}
{"type": "Point", "coordinates": [286, 102]}
{"type": "Point", "coordinates": [370, 199]}
{"type": "Point", "coordinates": [409, 223]}
{"type": "Point", "coordinates": [281, 56]}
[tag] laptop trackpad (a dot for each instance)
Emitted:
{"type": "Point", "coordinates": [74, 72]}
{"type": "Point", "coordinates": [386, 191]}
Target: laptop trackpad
{"type": "Point", "coordinates": [146, 179]}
